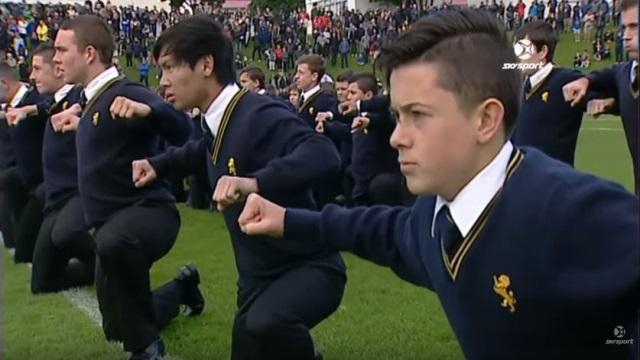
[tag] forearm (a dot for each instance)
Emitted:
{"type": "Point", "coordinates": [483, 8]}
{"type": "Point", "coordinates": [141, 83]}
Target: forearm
{"type": "Point", "coordinates": [312, 161]}
{"type": "Point", "coordinates": [380, 234]}
{"type": "Point", "coordinates": [181, 161]}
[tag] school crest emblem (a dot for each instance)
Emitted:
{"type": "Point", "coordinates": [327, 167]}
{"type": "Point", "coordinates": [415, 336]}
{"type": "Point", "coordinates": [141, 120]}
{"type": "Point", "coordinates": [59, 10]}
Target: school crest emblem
{"type": "Point", "coordinates": [501, 286]}
{"type": "Point", "coordinates": [545, 96]}
{"type": "Point", "coordinates": [231, 166]}
{"type": "Point", "coordinates": [96, 118]}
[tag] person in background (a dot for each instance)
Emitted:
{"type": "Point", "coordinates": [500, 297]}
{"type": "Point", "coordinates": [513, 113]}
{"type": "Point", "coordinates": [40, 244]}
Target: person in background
{"type": "Point", "coordinates": [143, 70]}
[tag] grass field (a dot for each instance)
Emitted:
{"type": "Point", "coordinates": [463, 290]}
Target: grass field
{"type": "Point", "coordinates": [380, 316]}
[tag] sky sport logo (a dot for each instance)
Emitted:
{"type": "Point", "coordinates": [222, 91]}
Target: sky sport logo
{"type": "Point", "coordinates": [619, 332]}
{"type": "Point", "coordinates": [524, 50]}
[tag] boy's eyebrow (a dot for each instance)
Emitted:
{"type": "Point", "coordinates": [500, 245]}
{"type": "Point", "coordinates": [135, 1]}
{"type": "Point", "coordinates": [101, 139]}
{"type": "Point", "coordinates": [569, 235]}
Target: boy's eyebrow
{"type": "Point", "coordinates": [409, 105]}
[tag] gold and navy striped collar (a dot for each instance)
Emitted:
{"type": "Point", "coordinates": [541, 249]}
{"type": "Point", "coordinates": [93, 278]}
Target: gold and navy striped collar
{"type": "Point", "coordinates": [102, 90]}
{"type": "Point", "coordinates": [226, 119]}
{"type": "Point", "coordinates": [310, 99]}
{"type": "Point", "coordinates": [453, 265]}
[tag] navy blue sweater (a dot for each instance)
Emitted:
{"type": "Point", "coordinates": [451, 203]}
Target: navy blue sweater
{"type": "Point", "coordinates": [318, 102]}
{"type": "Point", "coordinates": [566, 242]}
{"type": "Point", "coordinates": [27, 138]}
{"type": "Point", "coordinates": [378, 103]}
{"type": "Point", "coordinates": [549, 123]}
{"type": "Point", "coordinates": [338, 130]}
{"type": "Point", "coordinates": [60, 157]}
{"type": "Point", "coordinates": [615, 82]}
{"type": "Point", "coordinates": [106, 147]}
{"type": "Point", "coordinates": [372, 153]}
{"type": "Point", "coordinates": [7, 155]}
{"type": "Point", "coordinates": [266, 141]}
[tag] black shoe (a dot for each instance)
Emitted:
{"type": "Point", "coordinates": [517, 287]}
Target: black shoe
{"type": "Point", "coordinates": [155, 351]}
{"type": "Point", "coordinates": [192, 298]}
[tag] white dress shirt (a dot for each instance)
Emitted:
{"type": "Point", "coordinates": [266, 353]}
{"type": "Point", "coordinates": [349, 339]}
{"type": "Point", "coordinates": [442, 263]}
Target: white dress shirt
{"type": "Point", "coordinates": [540, 75]}
{"type": "Point", "coordinates": [100, 81]}
{"type": "Point", "coordinates": [468, 205]}
{"type": "Point", "coordinates": [62, 92]}
{"type": "Point", "coordinates": [213, 115]}
{"type": "Point", "coordinates": [307, 94]}
{"type": "Point", "coordinates": [15, 100]}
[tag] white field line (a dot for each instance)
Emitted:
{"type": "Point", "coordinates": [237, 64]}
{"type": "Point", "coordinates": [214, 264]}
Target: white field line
{"type": "Point", "coordinates": [88, 304]}
{"type": "Point", "coordinates": [602, 129]}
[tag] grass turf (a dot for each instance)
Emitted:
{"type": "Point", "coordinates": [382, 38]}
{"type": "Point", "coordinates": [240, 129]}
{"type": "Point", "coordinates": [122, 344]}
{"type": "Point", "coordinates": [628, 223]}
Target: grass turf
{"type": "Point", "coordinates": [380, 317]}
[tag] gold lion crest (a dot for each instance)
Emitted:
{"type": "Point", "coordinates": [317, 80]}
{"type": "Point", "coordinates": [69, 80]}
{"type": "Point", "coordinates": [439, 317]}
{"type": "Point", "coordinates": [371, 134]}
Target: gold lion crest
{"type": "Point", "coordinates": [545, 96]}
{"type": "Point", "coordinates": [96, 118]}
{"type": "Point", "coordinates": [311, 110]}
{"type": "Point", "coordinates": [65, 105]}
{"type": "Point", "coordinates": [501, 287]}
{"type": "Point", "coordinates": [231, 165]}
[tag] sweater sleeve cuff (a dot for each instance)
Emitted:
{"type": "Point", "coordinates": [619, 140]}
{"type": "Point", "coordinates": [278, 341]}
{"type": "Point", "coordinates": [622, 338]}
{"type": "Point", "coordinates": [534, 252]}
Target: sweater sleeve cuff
{"type": "Point", "coordinates": [265, 185]}
{"type": "Point", "coordinates": [302, 223]}
{"type": "Point", "coordinates": [159, 164]}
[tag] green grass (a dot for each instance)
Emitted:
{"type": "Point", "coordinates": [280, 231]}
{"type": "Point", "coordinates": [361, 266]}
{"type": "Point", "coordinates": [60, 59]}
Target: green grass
{"type": "Point", "coordinates": [380, 317]}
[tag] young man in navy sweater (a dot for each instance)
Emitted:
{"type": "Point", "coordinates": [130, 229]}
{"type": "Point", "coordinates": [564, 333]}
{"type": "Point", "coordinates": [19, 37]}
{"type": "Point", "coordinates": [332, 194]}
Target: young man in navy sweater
{"type": "Point", "coordinates": [546, 121]}
{"type": "Point", "coordinates": [63, 234]}
{"type": "Point", "coordinates": [530, 258]}
{"type": "Point", "coordinates": [375, 163]}
{"type": "Point", "coordinates": [23, 185]}
{"type": "Point", "coordinates": [122, 121]}
{"type": "Point", "coordinates": [617, 87]}
{"type": "Point", "coordinates": [310, 70]}
{"type": "Point", "coordinates": [313, 100]}
{"type": "Point", "coordinates": [251, 144]}
{"type": "Point", "coordinates": [252, 79]}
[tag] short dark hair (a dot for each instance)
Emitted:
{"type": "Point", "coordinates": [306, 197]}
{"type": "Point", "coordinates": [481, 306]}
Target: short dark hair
{"type": "Point", "coordinates": [315, 64]}
{"type": "Point", "coordinates": [366, 82]}
{"type": "Point", "coordinates": [470, 48]}
{"type": "Point", "coordinates": [194, 38]}
{"type": "Point", "coordinates": [345, 76]}
{"type": "Point", "coordinates": [255, 74]}
{"type": "Point", "coordinates": [46, 50]}
{"type": "Point", "coordinates": [92, 30]}
{"type": "Point", "coordinates": [540, 34]}
{"type": "Point", "coordinates": [628, 4]}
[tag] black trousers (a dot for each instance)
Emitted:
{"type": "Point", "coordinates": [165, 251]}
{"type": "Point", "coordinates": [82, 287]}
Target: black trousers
{"type": "Point", "coordinates": [127, 246]}
{"type": "Point", "coordinates": [29, 226]}
{"type": "Point", "coordinates": [273, 322]}
{"type": "Point", "coordinates": [199, 192]}
{"type": "Point", "coordinates": [63, 236]}
{"type": "Point", "coordinates": [14, 199]}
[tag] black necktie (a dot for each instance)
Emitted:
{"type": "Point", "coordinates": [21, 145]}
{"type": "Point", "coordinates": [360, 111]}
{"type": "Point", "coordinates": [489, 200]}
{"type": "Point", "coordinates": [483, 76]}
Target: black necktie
{"type": "Point", "coordinates": [83, 100]}
{"type": "Point", "coordinates": [527, 86]}
{"type": "Point", "coordinates": [447, 232]}
{"type": "Point", "coordinates": [301, 101]}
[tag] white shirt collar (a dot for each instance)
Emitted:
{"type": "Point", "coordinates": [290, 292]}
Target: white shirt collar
{"type": "Point", "coordinates": [541, 74]}
{"type": "Point", "coordinates": [99, 81]}
{"type": "Point", "coordinates": [476, 195]}
{"type": "Point", "coordinates": [214, 113]}
{"type": "Point", "coordinates": [262, 91]}
{"type": "Point", "coordinates": [632, 74]}
{"type": "Point", "coordinates": [62, 92]}
{"type": "Point", "coordinates": [15, 100]}
{"type": "Point", "coordinates": [310, 92]}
